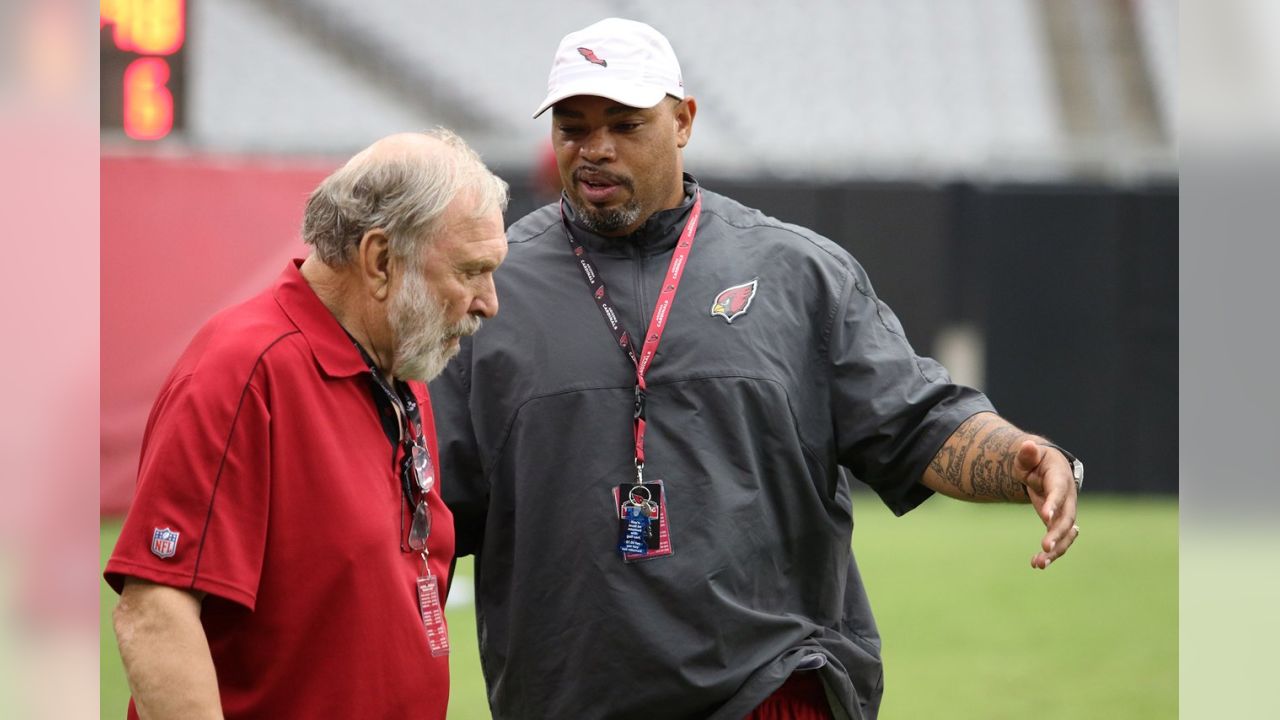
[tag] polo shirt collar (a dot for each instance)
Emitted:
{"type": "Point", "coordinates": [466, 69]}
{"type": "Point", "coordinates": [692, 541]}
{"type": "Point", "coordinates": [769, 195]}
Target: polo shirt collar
{"type": "Point", "coordinates": [330, 345]}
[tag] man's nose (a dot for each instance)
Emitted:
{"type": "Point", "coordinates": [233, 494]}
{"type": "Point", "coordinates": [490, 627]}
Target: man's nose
{"type": "Point", "coordinates": [485, 303]}
{"type": "Point", "coordinates": [598, 147]}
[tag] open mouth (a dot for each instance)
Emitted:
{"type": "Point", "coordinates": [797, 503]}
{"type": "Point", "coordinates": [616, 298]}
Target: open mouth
{"type": "Point", "coordinates": [598, 193]}
{"type": "Point", "coordinates": [598, 187]}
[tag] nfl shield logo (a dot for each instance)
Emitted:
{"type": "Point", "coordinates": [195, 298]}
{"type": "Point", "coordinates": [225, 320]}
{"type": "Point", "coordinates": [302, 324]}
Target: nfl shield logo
{"type": "Point", "coordinates": [164, 543]}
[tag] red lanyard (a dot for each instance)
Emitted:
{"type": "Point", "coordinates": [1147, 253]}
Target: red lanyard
{"type": "Point", "coordinates": [657, 323]}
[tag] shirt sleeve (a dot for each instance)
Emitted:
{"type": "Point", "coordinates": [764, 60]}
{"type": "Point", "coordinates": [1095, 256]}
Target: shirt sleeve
{"type": "Point", "coordinates": [198, 520]}
{"type": "Point", "coordinates": [892, 409]}
{"type": "Point", "coordinates": [466, 490]}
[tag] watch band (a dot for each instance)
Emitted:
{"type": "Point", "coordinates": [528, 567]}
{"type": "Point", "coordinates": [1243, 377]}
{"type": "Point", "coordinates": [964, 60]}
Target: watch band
{"type": "Point", "coordinates": [1077, 467]}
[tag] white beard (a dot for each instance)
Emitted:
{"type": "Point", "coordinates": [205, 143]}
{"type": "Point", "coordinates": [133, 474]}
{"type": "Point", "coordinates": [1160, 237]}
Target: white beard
{"type": "Point", "coordinates": [423, 347]}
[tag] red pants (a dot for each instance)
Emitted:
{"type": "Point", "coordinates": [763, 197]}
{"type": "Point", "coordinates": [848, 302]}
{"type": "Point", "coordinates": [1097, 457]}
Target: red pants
{"type": "Point", "coordinates": [801, 697]}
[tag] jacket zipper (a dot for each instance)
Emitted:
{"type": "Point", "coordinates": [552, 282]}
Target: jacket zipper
{"type": "Point", "coordinates": [640, 299]}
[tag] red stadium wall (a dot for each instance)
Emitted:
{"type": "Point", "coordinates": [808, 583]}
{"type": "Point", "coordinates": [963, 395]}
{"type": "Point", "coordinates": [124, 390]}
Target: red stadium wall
{"type": "Point", "coordinates": [181, 239]}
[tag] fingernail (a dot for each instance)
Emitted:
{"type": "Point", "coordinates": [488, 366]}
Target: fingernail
{"type": "Point", "coordinates": [1046, 562]}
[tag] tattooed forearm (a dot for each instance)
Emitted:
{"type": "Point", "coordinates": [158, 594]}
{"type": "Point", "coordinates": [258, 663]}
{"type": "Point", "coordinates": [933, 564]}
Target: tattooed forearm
{"type": "Point", "coordinates": [949, 462]}
{"type": "Point", "coordinates": [976, 462]}
{"type": "Point", "coordinates": [992, 465]}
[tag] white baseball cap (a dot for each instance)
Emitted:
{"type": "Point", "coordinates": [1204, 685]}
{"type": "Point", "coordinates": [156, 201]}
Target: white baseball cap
{"type": "Point", "coordinates": [623, 60]}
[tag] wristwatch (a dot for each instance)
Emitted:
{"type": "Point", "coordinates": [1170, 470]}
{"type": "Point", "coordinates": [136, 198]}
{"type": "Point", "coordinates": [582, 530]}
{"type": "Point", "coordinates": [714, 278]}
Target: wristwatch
{"type": "Point", "coordinates": [1077, 467]}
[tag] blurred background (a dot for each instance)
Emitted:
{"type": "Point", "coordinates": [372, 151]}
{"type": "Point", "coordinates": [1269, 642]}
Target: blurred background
{"type": "Point", "coordinates": [1006, 170]}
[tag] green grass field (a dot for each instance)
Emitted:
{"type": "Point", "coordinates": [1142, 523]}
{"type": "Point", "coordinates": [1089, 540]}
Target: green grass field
{"type": "Point", "coordinates": [970, 631]}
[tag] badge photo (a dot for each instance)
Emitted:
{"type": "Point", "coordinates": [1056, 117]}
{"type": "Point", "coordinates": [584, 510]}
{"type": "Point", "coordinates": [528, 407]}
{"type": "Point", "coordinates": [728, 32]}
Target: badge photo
{"type": "Point", "coordinates": [643, 532]}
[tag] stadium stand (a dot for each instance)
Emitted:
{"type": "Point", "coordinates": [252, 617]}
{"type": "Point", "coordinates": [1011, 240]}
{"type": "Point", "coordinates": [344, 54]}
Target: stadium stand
{"type": "Point", "coordinates": [821, 89]}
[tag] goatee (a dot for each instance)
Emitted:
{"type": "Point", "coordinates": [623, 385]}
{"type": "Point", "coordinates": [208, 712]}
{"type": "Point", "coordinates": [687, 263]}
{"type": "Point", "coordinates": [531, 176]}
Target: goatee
{"type": "Point", "coordinates": [604, 221]}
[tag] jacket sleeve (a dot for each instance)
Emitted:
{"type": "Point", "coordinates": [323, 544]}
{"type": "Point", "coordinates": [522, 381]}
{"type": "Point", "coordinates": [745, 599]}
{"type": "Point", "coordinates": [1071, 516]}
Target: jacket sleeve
{"type": "Point", "coordinates": [892, 410]}
{"type": "Point", "coordinates": [466, 491]}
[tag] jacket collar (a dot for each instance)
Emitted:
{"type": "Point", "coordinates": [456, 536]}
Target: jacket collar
{"type": "Point", "coordinates": [655, 236]}
{"type": "Point", "coordinates": [330, 344]}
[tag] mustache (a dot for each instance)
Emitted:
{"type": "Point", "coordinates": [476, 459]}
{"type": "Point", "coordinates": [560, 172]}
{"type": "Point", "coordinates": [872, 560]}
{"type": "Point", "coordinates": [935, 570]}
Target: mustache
{"type": "Point", "coordinates": [600, 177]}
{"type": "Point", "coordinates": [469, 325]}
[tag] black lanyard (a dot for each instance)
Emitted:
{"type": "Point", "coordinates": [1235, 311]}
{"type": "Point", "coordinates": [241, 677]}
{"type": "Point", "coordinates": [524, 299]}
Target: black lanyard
{"type": "Point", "coordinates": [407, 413]}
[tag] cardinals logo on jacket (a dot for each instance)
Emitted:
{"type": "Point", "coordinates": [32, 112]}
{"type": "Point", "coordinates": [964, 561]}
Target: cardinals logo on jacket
{"type": "Point", "coordinates": [733, 301]}
{"type": "Point", "coordinates": [590, 56]}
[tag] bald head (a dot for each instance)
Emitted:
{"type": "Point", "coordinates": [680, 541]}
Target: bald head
{"type": "Point", "coordinates": [401, 184]}
{"type": "Point", "coordinates": [401, 146]}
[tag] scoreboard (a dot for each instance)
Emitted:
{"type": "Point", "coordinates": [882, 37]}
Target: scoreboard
{"type": "Point", "coordinates": [143, 66]}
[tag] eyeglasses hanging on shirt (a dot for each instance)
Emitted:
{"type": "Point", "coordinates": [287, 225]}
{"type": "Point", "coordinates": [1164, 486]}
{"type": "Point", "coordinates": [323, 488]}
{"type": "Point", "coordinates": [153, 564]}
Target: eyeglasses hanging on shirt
{"type": "Point", "coordinates": [417, 472]}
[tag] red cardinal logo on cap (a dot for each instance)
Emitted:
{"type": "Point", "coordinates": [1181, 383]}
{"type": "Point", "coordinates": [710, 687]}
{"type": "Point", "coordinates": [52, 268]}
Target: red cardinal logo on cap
{"type": "Point", "coordinates": [733, 301]}
{"type": "Point", "coordinates": [590, 55]}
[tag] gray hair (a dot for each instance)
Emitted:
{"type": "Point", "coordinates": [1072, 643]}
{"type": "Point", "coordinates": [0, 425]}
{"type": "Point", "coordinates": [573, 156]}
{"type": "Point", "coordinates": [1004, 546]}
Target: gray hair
{"type": "Point", "coordinates": [405, 194]}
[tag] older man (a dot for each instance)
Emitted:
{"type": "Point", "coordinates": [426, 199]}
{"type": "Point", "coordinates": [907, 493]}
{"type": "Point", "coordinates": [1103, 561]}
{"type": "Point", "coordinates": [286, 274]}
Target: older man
{"type": "Point", "coordinates": [287, 553]}
{"type": "Point", "coordinates": [658, 514]}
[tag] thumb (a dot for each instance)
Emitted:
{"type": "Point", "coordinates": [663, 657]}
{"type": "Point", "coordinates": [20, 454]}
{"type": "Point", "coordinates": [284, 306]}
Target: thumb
{"type": "Point", "coordinates": [1027, 460]}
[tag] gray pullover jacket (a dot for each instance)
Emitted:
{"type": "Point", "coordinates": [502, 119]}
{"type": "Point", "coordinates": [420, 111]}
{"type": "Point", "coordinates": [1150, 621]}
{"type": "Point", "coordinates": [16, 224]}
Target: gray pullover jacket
{"type": "Point", "coordinates": [749, 424]}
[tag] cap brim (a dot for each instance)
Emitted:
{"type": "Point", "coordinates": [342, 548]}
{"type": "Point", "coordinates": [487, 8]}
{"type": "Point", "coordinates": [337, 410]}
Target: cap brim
{"type": "Point", "coordinates": [627, 95]}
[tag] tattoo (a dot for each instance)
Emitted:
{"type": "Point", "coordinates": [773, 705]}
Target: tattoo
{"type": "Point", "coordinates": [993, 467]}
{"type": "Point", "coordinates": [978, 460]}
{"type": "Point", "coordinates": [949, 462]}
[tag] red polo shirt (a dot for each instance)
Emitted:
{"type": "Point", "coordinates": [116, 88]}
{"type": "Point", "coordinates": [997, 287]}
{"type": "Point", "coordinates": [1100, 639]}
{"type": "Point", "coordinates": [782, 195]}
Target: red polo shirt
{"type": "Point", "coordinates": [264, 453]}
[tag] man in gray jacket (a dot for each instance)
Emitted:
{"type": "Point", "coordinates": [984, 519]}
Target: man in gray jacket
{"type": "Point", "coordinates": [646, 446]}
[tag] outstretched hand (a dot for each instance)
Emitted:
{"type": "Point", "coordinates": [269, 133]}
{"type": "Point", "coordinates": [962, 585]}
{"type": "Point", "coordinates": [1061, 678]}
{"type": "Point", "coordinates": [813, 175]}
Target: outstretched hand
{"type": "Point", "coordinates": [1052, 490]}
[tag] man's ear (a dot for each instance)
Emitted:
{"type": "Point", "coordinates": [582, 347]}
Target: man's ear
{"type": "Point", "coordinates": [685, 110]}
{"type": "Point", "coordinates": [373, 258]}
